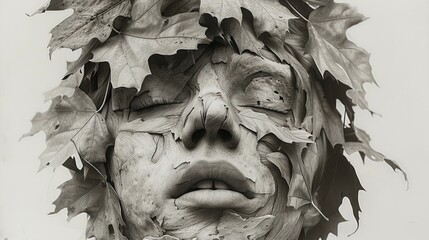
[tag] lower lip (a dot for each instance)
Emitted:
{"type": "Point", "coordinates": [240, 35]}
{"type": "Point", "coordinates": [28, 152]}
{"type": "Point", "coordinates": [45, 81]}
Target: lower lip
{"type": "Point", "coordinates": [208, 198]}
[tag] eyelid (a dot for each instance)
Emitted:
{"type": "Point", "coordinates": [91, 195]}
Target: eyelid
{"type": "Point", "coordinates": [253, 76]}
{"type": "Point", "coordinates": [266, 109]}
{"type": "Point", "coordinates": [146, 102]}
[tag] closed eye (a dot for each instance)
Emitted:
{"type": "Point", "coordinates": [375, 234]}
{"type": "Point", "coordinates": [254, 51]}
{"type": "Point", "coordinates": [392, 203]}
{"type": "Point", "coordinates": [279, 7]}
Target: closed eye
{"type": "Point", "coordinates": [144, 102]}
{"type": "Point", "coordinates": [256, 106]}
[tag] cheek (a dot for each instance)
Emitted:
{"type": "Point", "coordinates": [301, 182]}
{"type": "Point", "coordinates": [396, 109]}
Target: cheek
{"type": "Point", "coordinates": [132, 171]}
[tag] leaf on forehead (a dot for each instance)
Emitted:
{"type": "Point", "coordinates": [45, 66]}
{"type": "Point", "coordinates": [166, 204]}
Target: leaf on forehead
{"type": "Point", "coordinates": [89, 20]}
{"type": "Point", "coordinates": [333, 52]}
{"type": "Point", "coordinates": [243, 36]}
{"type": "Point", "coordinates": [345, 183]}
{"type": "Point", "coordinates": [72, 124]}
{"type": "Point", "coordinates": [268, 15]}
{"type": "Point", "coordinates": [146, 34]}
{"type": "Point", "coordinates": [233, 226]}
{"type": "Point", "coordinates": [260, 124]}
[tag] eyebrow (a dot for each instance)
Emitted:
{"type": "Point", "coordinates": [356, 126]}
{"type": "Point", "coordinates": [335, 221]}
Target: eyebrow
{"type": "Point", "coordinates": [260, 64]}
{"type": "Point", "coordinates": [250, 67]}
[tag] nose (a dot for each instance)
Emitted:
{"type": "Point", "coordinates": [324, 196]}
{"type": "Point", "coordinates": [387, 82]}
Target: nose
{"type": "Point", "coordinates": [212, 120]}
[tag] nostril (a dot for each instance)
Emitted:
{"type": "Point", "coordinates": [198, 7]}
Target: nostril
{"type": "Point", "coordinates": [197, 135]}
{"type": "Point", "coordinates": [224, 135]}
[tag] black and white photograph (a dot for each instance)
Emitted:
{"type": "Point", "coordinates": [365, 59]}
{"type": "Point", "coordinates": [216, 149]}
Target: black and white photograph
{"type": "Point", "coordinates": [214, 120]}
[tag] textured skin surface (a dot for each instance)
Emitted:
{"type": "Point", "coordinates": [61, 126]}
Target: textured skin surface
{"type": "Point", "coordinates": [146, 164]}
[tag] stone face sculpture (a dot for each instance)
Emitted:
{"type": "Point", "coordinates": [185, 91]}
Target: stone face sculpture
{"type": "Point", "coordinates": [208, 119]}
{"type": "Point", "coordinates": [216, 172]}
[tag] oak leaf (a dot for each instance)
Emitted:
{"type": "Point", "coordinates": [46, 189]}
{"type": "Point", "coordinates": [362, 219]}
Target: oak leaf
{"type": "Point", "coordinates": [88, 21]}
{"type": "Point", "coordinates": [73, 127]}
{"type": "Point", "coordinates": [333, 52]}
{"type": "Point", "coordinates": [146, 34]}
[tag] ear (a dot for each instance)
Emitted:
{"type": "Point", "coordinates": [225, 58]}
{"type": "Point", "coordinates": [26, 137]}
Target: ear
{"type": "Point", "coordinates": [311, 217]}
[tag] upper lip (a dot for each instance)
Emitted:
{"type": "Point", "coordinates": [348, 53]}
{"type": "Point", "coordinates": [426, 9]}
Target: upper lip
{"type": "Point", "coordinates": [212, 170]}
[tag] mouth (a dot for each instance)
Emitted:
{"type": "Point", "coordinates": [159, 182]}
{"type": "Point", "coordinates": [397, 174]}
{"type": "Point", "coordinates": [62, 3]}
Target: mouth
{"type": "Point", "coordinates": [213, 185]}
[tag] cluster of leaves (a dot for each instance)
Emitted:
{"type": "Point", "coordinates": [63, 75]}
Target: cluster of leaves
{"type": "Point", "coordinates": [309, 35]}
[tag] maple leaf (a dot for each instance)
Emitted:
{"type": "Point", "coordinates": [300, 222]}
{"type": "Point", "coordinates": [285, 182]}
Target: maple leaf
{"type": "Point", "coordinates": [308, 161]}
{"type": "Point", "coordinates": [73, 127]}
{"type": "Point", "coordinates": [282, 162]}
{"type": "Point", "coordinates": [91, 194]}
{"type": "Point", "coordinates": [324, 116]}
{"type": "Point", "coordinates": [88, 21]}
{"type": "Point", "coordinates": [300, 193]}
{"type": "Point", "coordinates": [344, 183]}
{"type": "Point", "coordinates": [67, 87]}
{"type": "Point", "coordinates": [260, 124]}
{"type": "Point", "coordinates": [85, 56]}
{"type": "Point", "coordinates": [278, 47]}
{"type": "Point", "coordinates": [128, 53]}
{"type": "Point", "coordinates": [357, 140]}
{"type": "Point", "coordinates": [333, 52]}
{"type": "Point", "coordinates": [268, 15]}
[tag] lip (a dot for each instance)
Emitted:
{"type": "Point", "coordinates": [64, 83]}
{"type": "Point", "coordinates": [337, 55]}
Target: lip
{"type": "Point", "coordinates": [239, 194]}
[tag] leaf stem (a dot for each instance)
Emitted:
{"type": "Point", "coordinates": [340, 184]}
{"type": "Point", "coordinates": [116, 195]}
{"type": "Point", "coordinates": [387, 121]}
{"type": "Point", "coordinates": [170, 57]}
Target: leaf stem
{"type": "Point", "coordinates": [114, 190]}
{"type": "Point", "coordinates": [296, 10]}
{"type": "Point", "coordinates": [96, 169]}
{"type": "Point", "coordinates": [105, 98]}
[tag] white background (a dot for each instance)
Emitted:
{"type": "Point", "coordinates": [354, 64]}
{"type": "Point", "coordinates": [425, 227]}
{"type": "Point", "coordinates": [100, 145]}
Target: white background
{"type": "Point", "coordinates": [397, 35]}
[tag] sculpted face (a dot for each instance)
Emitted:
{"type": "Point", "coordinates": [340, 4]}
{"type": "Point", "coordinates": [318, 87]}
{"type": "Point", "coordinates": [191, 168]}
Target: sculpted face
{"type": "Point", "coordinates": [185, 165]}
{"type": "Point", "coordinates": [223, 116]}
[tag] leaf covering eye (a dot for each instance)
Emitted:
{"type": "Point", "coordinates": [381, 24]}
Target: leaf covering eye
{"type": "Point", "coordinates": [269, 93]}
{"type": "Point", "coordinates": [146, 102]}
